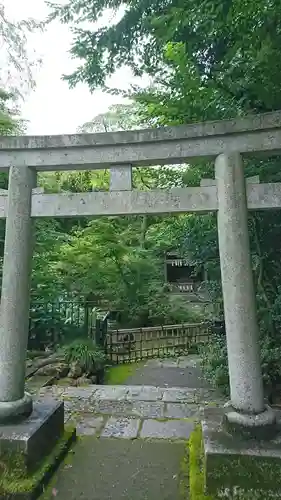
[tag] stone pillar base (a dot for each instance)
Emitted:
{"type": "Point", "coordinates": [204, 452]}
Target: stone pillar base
{"type": "Point", "coordinates": [250, 426]}
{"type": "Point", "coordinates": [31, 450]}
{"type": "Point", "coordinates": [12, 411]}
{"type": "Point", "coordinates": [239, 467]}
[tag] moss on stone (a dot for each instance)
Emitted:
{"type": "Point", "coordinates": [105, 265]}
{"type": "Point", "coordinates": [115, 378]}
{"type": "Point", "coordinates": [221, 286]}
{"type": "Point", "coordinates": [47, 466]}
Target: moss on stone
{"type": "Point", "coordinates": [117, 375]}
{"type": "Point", "coordinates": [196, 467]}
{"type": "Point", "coordinates": [259, 472]}
{"type": "Point", "coordinates": [13, 462]}
{"type": "Point", "coordinates": [184, 475]}
{"type": "Point", "coordinates": [236, 467]}
{"type": "Point", "coordinates": [12, 481]}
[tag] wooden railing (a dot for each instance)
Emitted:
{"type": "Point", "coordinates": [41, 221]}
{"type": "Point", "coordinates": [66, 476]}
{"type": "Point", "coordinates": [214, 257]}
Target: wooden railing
{"type": "Point", "coordinates": [157, 341]}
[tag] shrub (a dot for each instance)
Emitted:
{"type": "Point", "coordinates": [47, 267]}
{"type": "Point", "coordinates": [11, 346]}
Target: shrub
{"type": "Point", "coordinates": [215, 365]}
{"type": "Point", "coordinates": [89, 356]}
{"type": "Point", "coordinates": [214, 362]}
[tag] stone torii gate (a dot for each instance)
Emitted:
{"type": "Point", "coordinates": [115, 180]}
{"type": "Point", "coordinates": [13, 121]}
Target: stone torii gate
{"type": "Point", "coordinates": [229, 195]}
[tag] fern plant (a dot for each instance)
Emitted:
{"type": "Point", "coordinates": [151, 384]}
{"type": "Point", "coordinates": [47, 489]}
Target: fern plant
{"type": "Point", "coordinates": [90, 357]}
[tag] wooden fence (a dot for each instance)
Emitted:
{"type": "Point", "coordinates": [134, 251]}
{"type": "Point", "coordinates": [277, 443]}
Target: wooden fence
{"type": "Point", "coordinates": [128, 345]}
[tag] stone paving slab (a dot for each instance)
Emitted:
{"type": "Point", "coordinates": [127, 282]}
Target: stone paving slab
{"type": "Point", "coordinates": [145, 409]}
{"type": "Point", "coordinates": [170, 429]}
{"type": "Point", "coordinates": [184, 371]}
{"type": "Point", "coordinates": [179, 410]}
{"type": "Point", "coordinates": [94, 393]}
{"type": "Point", "coordinates": [144, 393]}
{"type": "Point", "coordinates": [112, 392]}
{"type": "Point", "coordinates": [138, 411]}
{"type": "Point", "coordinates": [89, 425]}
{"type": "Point", "coordinates": [120, 469]}
{"type": "Point", "coordinates": [161, 363]}
{"type": "Point", "coordinates": [121, 428]}
{"type": "Point", "coordinates": [107, 407]}
{"type": "Point", "coordinates": [174, 394]}
{"type": "Point", "coordinates": [80, 392]}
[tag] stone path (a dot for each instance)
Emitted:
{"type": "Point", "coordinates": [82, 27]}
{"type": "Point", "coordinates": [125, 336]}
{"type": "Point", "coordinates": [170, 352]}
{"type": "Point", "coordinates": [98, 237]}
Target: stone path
{"type": "Point", "coordinates": [121, 469]}
{"type": "Point", "coordinates": [133, 437]}
{"type": "Point", "coordinates": [137, 411]}
{"type": "Point", "coordinates": [181, 372]}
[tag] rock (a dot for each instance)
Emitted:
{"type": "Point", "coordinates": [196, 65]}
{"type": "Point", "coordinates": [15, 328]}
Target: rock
{"type": "Point", "coordinates": [83, 381]}
{"type": "Point", "coordinates": [75, 370]}
{"type": "Point", "coordinates": [93, 379]}
{"type": "Point", "coordinates": [57, 369]}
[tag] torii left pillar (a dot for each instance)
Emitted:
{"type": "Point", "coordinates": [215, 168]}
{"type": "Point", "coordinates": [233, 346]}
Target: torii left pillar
{"type": "Point", "coordinates": [23, 440]}
{"type": "Point", "coordinates": [15, 296]}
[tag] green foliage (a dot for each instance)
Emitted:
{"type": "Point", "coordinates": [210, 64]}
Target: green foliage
{"type": "Point", "coordinates": [53, 323]}
{"type": "Point", "coordinates": [90, 357]}
{"type": "Point", "coordinates": [214, 362]}
{"type": "Point", "coordinates": [118, 117]}
{"type": "Point", "coordinates": [225, 50]}
{"type": "Point", "coordinates": [215, 367]}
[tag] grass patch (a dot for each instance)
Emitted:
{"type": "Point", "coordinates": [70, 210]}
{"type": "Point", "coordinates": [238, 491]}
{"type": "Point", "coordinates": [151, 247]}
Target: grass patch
{"type": "Point", "coordinates": [196, 467]}
{"type": "Point", "coordinates": [118, 374]}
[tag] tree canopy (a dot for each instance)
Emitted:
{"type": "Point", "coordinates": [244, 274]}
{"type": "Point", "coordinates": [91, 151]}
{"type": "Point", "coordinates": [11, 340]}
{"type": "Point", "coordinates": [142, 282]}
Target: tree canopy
{"type": "Point", "coordinates": [17, 59]}
{"type": "Point", "coordinates": [231, 47]}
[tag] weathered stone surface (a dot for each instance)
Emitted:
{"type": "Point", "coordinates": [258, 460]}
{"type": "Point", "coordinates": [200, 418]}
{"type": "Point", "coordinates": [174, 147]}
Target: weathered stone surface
{"type": "Point", "coordinates": [209, 396]}
{"type": "Point", "coordinates": [146, 409]}
{"type": "Point", "coordinates": [189, 361]}
{"type": "Point", "coordinates": [80, 381]}
{"type": "Point", "coordinates": [111, 392]}
{"type": "Point", "coordinates": [107, 407]}
{"type": "Point", "coordinates": [33, 438]}
{"type": "Point", "coordinates": [247, 464]}
{"type": "Point", "coordinates": [75, 370]}
{"type": "Point", "coordinates": [245, 377]}
{"type": "Point", "coordinates": [169, 429]}
{"type": "Point", "coordinates": [178, 395]}
{"type": "Point", "coordinates": [16, 276]}
{"type": "Point", "coordinates": [55, 391]}
{"type": "Point", "coordinates": [180, 410]}
{"type": "Point", "coordinates": [79, 392]}
{"type": "Point", "coordinates": [59, 369]}
{"type": "Point", "coordinates": [89, 425]}
{"type": "Point", "coordinates": [248, 134]}
{"type": "Point", "coordinates": [121, 428]}
{"type": "Point", "coordinates": [33, 486]}
{"type": "Point", "coordinates": [115, 469]}
{"type": "Point", "coordinates": [163, 363]}
{"type": "Point", "coordinates": [260, 426]}
{"type": "Point", "coordinates": [144, 393]}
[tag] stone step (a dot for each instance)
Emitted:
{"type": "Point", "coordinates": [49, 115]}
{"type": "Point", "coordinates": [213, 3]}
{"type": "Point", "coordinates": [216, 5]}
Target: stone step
{"type": "Point", "coordinates": [93, 393]}
{"type": "Point", "coordinates": [132, 411]}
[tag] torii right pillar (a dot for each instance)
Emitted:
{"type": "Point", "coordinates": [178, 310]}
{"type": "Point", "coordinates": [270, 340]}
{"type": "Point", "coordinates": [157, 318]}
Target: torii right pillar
{"type": "Point", "coordinates": [242, 332]}
{"type": "Point", "coordinates": [239, 439]}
